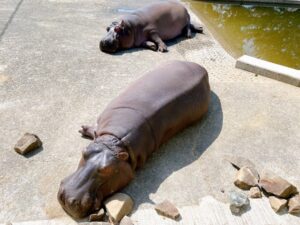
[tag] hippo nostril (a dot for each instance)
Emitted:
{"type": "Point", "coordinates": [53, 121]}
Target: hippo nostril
{"type": "Point", "coordinates": [102, 45]}
{"type": "Point", "coordinates": [61, 195]}
{"type": "Point", "coordinates": [72, 202]}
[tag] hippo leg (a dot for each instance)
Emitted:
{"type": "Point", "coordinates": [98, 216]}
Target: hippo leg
{"type": "Point", "coordinates": [150, 45]}
{"type": "Point", "coordinates": [188, 31]}
{"type": "Point", "coordinates": [88, 131]}
{"type": "Point", "coordinates": [162, 47]}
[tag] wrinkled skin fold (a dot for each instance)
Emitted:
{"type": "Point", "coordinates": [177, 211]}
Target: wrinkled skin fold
{"type": "Point", "coordinates": [148, 113]}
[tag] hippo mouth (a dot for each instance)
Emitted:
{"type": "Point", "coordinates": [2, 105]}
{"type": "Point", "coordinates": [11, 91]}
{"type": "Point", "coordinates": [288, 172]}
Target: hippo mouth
{"type": "Point", "coordinates": [83, 207]}
{"type": "Point", "coordinates": [76, 209]}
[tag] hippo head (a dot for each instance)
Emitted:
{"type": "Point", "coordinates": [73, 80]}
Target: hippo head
{"type": "Point", "coordinates": [101, 171]}
{"type": "Point", "coordinates": [119, 36]}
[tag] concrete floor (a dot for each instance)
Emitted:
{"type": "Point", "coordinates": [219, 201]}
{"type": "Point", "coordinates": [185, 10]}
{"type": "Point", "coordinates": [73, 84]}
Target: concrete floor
{"type": "Point", "coordinates": [53, 78]}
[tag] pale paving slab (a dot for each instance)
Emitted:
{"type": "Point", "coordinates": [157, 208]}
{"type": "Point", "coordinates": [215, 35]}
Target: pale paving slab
{"type": "Point", "coordinates": [210, 211]}
{"type": "Point", "coordinates": [56, 79]}
{"type": "Point", "coordinates": [268, 69]}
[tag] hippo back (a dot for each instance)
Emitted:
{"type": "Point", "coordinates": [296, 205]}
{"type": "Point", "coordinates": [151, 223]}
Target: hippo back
{"type": "Point", "coordinates": [156, 107]}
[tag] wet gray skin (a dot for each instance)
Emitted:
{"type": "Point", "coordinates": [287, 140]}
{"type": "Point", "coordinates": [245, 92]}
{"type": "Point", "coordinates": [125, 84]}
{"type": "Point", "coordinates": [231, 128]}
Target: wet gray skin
{"type": "Point", "coordinates": [101, 171]}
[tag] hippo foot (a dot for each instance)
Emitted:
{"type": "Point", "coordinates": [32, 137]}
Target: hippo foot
{"type": "Point", "coordinates": [196, 28]}
{"type": "Point", "coordinates": [188, 32]}
{"type": "Point", "coordinates": [87, 131]}
{"type": "Point", "coordinates": [162, 48]}
{"type": "Point", "coordinates": [150, 45]}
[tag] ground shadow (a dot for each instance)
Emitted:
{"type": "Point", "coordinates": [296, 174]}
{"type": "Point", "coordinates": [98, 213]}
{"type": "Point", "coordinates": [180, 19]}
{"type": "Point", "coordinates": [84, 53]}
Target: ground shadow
{"type": "Point", "coordinates": [169, 43]}
{"type": "Point", "coordinates": [34, 152]}
{"type": "Point", "coordinates": [181, 151]}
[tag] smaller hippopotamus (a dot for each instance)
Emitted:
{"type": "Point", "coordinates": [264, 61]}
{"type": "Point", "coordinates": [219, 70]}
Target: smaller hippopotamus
{"type": "Point", "coordinates": [148, 27]}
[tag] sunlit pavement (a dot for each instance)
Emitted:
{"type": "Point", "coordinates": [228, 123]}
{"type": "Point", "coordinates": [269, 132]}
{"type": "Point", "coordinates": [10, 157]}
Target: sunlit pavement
{"type": "Point", "coordinates": [53, 78]}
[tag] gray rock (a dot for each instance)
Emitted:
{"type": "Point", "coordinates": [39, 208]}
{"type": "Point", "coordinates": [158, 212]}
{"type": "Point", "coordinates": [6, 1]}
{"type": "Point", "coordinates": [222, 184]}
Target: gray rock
{"type": "Point", "coordinates": [27, 143]}
{"type": "Point", "coordinates": [167, 209]}
{"type": "Point", "coordinates": [239, 202]}
{"type": "Point", "coordinates": [276, 185]}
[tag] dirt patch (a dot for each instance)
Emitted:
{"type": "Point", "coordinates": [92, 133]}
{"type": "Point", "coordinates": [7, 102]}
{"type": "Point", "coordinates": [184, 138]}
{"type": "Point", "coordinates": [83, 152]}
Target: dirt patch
{"type": "Point", "coordinates": [3, 78]}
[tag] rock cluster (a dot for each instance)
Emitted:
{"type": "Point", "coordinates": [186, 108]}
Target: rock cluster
{"type": "Point", "coordinates": [282, 194]}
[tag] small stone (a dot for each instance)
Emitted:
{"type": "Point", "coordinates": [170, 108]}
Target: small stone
{"type": "Point", "coordinates": [239, 162]}
{"type": "Point", "coordinates": [255, 192]}
{"type": "Point", "coordinates": [167, 209]}
{"type": "Point", "coordinates": [27, 143]}
{"type": "Point", "coordinates": [246, 178]}
{"type": "Point", "coordinates": [126, 221]}
{"type": "Point", "coordinates": [294, 205]}
{"type": "Point", "coordinates": [97, 216]}
{"type": "Point", "coordinates": [239, 202]}
{"type": "Point", "coordinates": [277, 204]}
{"type": "Point", "coordinates": [118, 205]}
{"type": "Point", "coordinates": [276, 185]}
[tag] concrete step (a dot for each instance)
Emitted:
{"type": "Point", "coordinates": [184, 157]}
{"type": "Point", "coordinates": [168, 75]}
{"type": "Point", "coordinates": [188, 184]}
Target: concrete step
{"type": "Point", "coordinates": [268, 69]}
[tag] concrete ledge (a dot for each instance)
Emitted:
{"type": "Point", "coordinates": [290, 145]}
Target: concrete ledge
{"type": "Point", "coordinates": [268, 69]}
{"type": "Point", "coordinates": [283, 3]}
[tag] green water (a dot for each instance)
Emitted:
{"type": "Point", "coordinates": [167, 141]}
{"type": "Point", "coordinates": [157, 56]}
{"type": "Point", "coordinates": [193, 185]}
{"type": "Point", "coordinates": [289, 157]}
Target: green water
{"type": "Point", "coordinates": [269, 33]}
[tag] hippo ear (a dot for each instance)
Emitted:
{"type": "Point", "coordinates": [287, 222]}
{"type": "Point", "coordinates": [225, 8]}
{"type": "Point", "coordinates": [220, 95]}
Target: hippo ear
{"type": "Point", "coordinates": [123, 156]}
{"type": "Point", "coordinates": [122, 24]}
{"type": "Point", "coordinates": [114, 23]}
{"type": "Point", "coordinates": [118, 29]}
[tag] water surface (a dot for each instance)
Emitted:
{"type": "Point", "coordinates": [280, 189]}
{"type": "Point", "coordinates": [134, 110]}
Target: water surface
{"type": "Point", "coordinates": [270, 33]}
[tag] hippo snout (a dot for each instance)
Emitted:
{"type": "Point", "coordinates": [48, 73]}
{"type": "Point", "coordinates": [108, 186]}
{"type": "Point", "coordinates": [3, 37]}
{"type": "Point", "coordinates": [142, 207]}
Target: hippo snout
{"type": "Point", "coordinates": [78, 205]}
{"type": "Point", "coordinates": [109, 45]}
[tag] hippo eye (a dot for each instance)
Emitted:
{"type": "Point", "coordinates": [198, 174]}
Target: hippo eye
{"type": "Point", "coordinates": [85, 154]}
{"type": "Point", "coordinates": [105, 171]}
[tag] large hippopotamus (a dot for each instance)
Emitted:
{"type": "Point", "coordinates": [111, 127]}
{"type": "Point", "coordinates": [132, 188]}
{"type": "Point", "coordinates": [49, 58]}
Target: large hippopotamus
{"type": "Point", "coordinates": [152, 110]}
{"type": "Point", "coordinates": [148, 27]}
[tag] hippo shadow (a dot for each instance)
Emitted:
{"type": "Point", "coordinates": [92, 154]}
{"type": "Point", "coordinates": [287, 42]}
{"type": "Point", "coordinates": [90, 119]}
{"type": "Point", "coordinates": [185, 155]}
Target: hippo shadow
{"type": "Point", "coordinates": [179, 152]}
{"type": "Point", "coordinates": [169, 43]}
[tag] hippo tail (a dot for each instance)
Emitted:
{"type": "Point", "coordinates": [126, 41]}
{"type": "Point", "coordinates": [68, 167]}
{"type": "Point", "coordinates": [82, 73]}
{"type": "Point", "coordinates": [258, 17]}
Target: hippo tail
{"type": "Point", "coordinates": [197, 28]}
